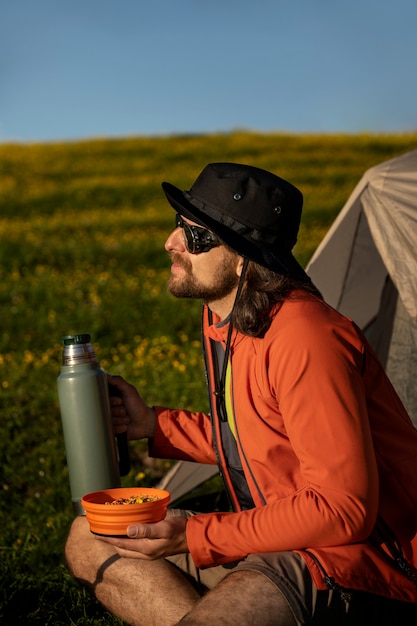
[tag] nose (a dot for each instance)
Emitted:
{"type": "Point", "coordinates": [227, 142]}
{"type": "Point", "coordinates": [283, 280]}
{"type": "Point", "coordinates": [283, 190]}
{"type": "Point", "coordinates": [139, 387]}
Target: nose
{"type": "Point", "coordinates": [175, 241]}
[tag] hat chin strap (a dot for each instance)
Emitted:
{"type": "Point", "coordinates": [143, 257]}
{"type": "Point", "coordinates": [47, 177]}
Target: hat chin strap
{"type": "Point", "coordinates": [219, 392]}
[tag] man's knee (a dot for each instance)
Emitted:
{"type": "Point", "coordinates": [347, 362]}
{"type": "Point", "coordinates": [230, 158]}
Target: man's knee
{"type": "Point", "coordinates": [83, 554]}
{"type": "Point", "coordinates": [79, 528]}
{"type": "Point", "coordinates": [78, 535]}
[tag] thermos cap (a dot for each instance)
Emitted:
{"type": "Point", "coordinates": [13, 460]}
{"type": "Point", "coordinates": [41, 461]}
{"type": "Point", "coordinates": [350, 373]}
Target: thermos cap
{"type": "Point", "coordinates": [77, 350]}
{"type": "Point", "coordinates": [71, 340]}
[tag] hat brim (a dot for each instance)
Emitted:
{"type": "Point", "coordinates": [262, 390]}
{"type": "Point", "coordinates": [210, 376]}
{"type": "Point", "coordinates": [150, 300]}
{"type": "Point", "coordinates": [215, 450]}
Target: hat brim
{"type": "Point", "coordinates": [282, 262]}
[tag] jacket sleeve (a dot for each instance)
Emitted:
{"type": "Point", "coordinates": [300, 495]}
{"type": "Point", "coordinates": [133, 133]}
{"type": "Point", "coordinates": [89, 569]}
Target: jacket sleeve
{"type": "Point", "coordinates": [182, 435]}
{"type": "Point", "coordinates": [313, 370]}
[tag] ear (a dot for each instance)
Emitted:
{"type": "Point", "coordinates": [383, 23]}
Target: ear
{"type": "Point", "coordinates": [239, 266]}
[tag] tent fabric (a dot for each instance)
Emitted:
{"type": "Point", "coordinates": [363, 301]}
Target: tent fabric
{"type": "Point", "coordinates": [375, 234]}
{"type": "Point", "coordinates": [401, 365]}
{"type": "Point", "coordinates": [366, 267]}
{"type": "Point", "coordinates": [184, 476]}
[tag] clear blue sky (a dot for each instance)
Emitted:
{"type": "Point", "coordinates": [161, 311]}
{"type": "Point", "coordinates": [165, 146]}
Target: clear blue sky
{"type": "Point", "coordinates": [96, 68]}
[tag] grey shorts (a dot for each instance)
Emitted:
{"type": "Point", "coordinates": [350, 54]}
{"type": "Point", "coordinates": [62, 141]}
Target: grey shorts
{"type": "Point", "coordinates": [288, 571]}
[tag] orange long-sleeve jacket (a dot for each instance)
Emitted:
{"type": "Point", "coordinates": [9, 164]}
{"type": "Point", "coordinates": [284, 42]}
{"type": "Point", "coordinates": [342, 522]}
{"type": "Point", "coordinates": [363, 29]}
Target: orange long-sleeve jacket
{"type": "Point", "coordinates": [325, 444]}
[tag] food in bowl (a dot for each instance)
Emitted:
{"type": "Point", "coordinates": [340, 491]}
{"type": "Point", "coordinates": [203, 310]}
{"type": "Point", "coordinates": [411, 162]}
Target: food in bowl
{"type": "Point", "coordinates": [134, 499]}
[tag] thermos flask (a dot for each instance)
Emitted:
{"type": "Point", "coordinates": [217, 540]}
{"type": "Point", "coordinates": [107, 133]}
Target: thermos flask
{"type": "Point", "coordinates": [93, 461]}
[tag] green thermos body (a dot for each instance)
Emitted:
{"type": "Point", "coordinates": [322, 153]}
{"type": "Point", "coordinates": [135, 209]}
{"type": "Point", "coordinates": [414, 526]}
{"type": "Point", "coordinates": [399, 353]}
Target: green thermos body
{"type": "Point", "coordinates": [90, 444]}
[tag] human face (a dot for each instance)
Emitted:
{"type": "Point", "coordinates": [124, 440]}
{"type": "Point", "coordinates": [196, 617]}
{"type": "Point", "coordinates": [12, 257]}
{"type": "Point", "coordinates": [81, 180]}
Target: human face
{"type": "Point", "coordinates": [211, 276]}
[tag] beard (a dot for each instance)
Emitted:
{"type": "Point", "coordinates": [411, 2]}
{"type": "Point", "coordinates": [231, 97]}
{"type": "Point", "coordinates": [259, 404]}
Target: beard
{"type": "Point", "coordinates": [188, 286]}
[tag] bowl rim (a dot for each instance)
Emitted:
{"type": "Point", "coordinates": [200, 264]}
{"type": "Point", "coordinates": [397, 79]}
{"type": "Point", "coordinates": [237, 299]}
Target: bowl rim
{"type": "Point", "coordinates": [120, 492]}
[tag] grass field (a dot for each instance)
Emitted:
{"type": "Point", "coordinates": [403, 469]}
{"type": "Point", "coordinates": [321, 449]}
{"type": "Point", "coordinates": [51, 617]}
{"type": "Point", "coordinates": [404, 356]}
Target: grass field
{"type": "Point", "coordinates": [82, 228]}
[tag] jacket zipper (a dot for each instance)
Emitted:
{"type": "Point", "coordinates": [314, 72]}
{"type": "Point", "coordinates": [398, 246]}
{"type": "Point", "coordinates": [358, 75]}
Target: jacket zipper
{"type": "Point", "coordinates": [214, 418]}
{"type": "Point", "coordinates": [329, 581]}
{"type": "Point", "coordinates": [240, 446]}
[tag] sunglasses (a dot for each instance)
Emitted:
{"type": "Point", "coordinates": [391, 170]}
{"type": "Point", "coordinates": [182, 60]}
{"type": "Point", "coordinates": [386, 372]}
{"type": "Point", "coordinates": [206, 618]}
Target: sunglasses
{"type": "Point", "coordinates": [197, 239]}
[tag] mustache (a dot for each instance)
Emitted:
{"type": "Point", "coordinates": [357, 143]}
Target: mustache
{"type": "Point", "coordinates": [177, 259]}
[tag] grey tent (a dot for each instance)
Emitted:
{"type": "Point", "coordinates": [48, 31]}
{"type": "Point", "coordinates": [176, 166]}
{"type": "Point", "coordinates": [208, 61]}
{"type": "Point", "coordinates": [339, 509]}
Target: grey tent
{"type": "Point", "coordinates": [366, 268]}
{"type": "Point", "coordinates": [184, 476]}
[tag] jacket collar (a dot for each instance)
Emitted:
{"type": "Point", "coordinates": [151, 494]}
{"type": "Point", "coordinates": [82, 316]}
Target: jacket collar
{"type": "Point", "coordinates": [218, 329]}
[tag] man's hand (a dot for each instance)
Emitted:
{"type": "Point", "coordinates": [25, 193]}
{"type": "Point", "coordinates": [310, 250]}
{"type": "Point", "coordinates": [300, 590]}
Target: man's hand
{"type": "Point", "coordinates": [129, 411]}
{"type": "Point", "coordinates": [152, 541]}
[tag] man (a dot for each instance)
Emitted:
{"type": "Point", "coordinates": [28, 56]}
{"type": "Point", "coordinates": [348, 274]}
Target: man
{"type": "Point", "coordinates": [317, 453]}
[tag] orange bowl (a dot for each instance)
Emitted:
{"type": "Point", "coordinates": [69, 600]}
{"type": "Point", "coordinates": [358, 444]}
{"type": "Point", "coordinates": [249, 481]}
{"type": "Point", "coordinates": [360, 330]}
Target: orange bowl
{"type": "Point", "coordinates": [113, 519]}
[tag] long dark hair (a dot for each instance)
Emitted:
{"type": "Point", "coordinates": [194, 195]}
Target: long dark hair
{"type": "Point", "coordinates": [263, 289]}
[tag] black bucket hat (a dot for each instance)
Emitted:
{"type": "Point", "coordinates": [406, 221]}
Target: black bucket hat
{"type": "Point", "coordinates": [253, 211]}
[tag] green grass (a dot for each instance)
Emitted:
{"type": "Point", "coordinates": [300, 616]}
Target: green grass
{"type": "Point", "coordinates": [82, 229]}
